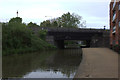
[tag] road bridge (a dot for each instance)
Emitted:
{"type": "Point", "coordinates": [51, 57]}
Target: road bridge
{"type": "Point", "coordinates": [93, 37]}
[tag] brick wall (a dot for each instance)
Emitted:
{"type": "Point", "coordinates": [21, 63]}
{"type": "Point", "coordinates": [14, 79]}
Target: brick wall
{"type": "Point", "coordinates": [114, 24]}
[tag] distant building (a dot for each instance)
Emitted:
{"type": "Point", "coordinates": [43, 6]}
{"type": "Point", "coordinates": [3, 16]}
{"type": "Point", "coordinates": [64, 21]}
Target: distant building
{"type": "Point", "coordinates": [114, 22]}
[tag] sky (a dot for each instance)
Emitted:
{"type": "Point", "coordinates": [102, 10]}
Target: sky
{"type": "Point", "coordinates": [94, 12]}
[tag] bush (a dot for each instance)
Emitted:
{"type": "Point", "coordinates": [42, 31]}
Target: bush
{"type": "Point", "coordinates": [42, 34]}
{"type": "Point", "coordinates": [16, 35]}
{"type": "Point", "coordinates": [17, 38]}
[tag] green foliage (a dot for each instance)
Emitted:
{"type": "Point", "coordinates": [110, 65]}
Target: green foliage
{"type": "Point", "coordinates": [49, 23]}
{"type": "Point", "coordinates": [17, 38]}
{"type": "Point", "coordinates": [32, 25]}
{"type": "Point", "coordinates": [13, 33]}
{"type": "Point", "coordinates": [66, 20]}
{"type": "Point", "coordinates": [42, 34]}
{"type": "Point", "coordinates": [69, 20]}
{"type": "Point", "coordinates": [16, 20]}
{"type": "Point", "coordinates": [46, 23]}
{"type": "Point", "coordinates": [54, 24]}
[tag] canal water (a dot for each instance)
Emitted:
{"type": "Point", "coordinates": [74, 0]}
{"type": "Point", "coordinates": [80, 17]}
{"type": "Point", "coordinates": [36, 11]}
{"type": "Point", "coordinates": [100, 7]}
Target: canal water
{"type": "Point", "coordinates": [45, 64]}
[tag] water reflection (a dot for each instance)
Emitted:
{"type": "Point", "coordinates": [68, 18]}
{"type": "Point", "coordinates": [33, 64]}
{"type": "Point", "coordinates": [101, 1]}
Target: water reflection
{"type": "Point", "coordinates": [47, 64]}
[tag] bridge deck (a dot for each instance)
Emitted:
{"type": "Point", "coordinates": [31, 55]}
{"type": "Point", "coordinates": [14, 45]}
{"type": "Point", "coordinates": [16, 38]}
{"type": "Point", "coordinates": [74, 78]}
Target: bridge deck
{"type": "Point", "coordinates": [58, 29]}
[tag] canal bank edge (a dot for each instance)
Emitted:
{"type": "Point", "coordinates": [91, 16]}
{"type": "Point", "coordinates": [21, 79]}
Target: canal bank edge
{"type": "Point", "coordinates": [98, 63]}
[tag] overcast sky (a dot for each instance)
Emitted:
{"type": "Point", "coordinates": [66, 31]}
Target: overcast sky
{"type": "Point", "coordinates": [95, 12]}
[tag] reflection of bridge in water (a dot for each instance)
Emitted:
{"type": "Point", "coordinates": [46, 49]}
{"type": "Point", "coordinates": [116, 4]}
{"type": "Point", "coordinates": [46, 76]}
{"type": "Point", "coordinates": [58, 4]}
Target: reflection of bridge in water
{"type": "Point", "coordinates": [93, 37]}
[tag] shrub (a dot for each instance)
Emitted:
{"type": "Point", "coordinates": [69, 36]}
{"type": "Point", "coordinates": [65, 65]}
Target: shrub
{"type": "Point", "coordinates": [17, 38]}
{"type": "Point", "coordinates": [42, 34]}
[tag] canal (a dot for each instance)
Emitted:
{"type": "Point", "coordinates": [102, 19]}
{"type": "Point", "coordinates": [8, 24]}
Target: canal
{"type": "Point", "coordinates": [43, 64]}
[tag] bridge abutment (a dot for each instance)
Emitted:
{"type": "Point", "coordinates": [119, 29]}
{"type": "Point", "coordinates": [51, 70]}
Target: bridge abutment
{"type": "Point", "coordinates": [88, 43]}
{"type": "Point", "coordinates": [58, 43]}
{"type": "Point", "coordinates": [100, 41]}
{"type": "Point", "coordinates": [50, 39]}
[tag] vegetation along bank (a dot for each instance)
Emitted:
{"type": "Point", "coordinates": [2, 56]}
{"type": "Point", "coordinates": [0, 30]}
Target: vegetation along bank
{"type": "Point", "coordinates": [17, 38]}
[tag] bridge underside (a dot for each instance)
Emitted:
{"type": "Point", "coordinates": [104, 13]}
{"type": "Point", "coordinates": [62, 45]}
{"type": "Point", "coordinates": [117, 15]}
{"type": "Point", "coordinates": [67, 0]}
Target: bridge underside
{"type": "Point", "coordinates": [60, 37]}
{"type": "Point", "coordinates": [60, 43]}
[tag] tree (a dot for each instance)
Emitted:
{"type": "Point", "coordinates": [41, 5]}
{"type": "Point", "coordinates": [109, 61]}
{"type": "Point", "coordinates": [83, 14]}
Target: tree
{"type": "Point", "coordinates": [32, 24]}
{"type": "Point", "coordinates": [66, 20]}
{"type": "Point", "coordinates": [16, 20]}
{"type": "Point", "coordinates": [46, 23]}
{"type": "Point", "coordinates": [70, 20]}
{"type": "Point", "coordinates": [54, 24]}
